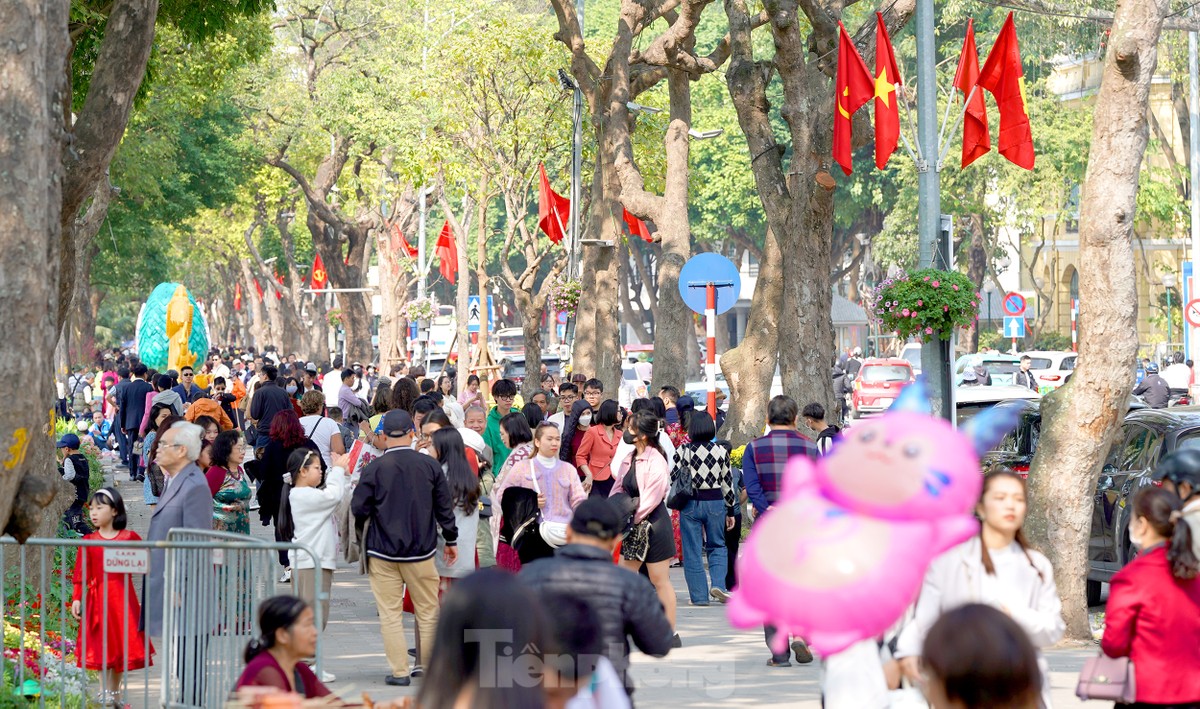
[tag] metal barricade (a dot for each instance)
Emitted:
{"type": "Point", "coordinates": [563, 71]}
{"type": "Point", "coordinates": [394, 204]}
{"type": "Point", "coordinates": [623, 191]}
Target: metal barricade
{"type": "Point", "coordinates": [57, 655]}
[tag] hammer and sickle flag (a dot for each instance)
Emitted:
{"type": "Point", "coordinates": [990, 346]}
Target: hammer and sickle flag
{"type": "Point", "coordinates": [320, 279]}
{"type": "Point", "coordinates": [854, 87]}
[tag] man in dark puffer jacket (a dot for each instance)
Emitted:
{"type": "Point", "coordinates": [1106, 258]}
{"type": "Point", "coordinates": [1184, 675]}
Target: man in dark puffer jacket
{"type": "Point", "coordinates": [625, 601]}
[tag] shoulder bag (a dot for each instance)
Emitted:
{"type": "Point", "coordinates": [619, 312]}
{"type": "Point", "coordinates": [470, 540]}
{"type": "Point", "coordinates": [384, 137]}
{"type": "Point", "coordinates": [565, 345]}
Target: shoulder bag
{"type": "Point", "coordinates": [1107, 678]}
{"type": "Point", "coordinates": [681, 492]}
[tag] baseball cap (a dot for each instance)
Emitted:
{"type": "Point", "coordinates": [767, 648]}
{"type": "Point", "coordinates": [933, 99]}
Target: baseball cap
{"type": "Point", "coordinates": [311, 368]}
{"type": "Point", "coordinates": [395, 423]}
{"type": "Point", "coordinates": [597, 517]}
{"type": "Point", "coordinates": [1180, 466]}
{"type": "Point", "coordinates": [69, 440]}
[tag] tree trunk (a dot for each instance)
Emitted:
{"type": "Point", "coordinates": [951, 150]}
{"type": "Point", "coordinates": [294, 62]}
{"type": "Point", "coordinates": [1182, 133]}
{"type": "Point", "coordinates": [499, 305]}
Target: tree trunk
{"type": "Point", "coordinates": [481, 282]}
{"type": "Point", "coordinates": [33, 71]}
{"type": "Point", "coordinates": [1084, 416]}
{"type": "Point", "coordinates": [251, 302]}
{"type": "Point", "coordinates": [531, 329]}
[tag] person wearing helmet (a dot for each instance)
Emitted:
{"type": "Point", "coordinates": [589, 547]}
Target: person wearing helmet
{"type": "Point", "coordinates": [1179, 472]}
{"type": "Point", "coordinates": [1153, 389]}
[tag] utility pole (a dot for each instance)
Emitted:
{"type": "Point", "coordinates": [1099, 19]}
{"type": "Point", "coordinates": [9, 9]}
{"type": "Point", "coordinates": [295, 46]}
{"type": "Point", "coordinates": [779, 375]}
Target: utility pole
{"type": "Point", "coordinates": [576, 167]}
{"type": "Point", "coordinates": [935, 354]}
{"type": "Point", "coordinates": [1194, 152]}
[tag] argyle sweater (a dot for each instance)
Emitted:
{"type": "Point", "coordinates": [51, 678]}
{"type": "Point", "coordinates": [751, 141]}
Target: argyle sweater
{"type": "Point", "coordinates": [708, 464]}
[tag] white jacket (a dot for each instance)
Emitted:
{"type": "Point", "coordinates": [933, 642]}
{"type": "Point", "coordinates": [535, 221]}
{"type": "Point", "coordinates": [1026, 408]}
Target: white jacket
{"type": "Point", "coordinates": [956, 578]}
{"type": "Point", "coordinates": [312, 513]}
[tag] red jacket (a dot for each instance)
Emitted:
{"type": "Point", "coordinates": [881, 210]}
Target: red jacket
{"type": "Point", "coordinates": [1154, 619]}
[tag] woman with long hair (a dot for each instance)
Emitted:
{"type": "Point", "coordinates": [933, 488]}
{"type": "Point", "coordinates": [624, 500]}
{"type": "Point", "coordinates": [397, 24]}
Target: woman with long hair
{"type": "Point", "coordinates": [487, 615]}
{"type": "Point", "coordinates": [404, 392]}
{"type": "Point", "coordinates": [648, 479]}
{"type": "Point", "coordinates": [1151, 616]}
{"type": "Point", "coordinates": [514, 433]}
{"type": "Point", "coordinates": [597, 449]}
{"type": "Point", "coordinates": [678, 431]}
{"type": "Point", "coordinates": [228, 484]}
{"type": "Point", "coordinates": [449, 450]}
{"type": "Point", "coordinates": [577, 423]}
{"type": "Point", "coordinates": [287, 637]}
{"type": "Point", "coordinates": [285, 436]}
{"type": "Point", "coordinates": [153, 481]}
{"type": "Point", "coordinates": [997, 568]}
{"type": "Point", "coordinates": [555, 482]}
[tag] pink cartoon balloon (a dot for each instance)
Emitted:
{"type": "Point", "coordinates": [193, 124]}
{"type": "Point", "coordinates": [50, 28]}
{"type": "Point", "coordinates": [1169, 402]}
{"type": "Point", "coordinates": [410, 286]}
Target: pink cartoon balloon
{"type": "Point", "coordinates": [842, 553]}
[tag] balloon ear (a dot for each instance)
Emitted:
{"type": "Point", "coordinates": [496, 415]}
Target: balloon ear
{"type": "Point", "coordinates": [799, 474]}
{"type": "Point", "coordinates": [987, 428]}
{"type": "Point", "coordinates": [913, 398]}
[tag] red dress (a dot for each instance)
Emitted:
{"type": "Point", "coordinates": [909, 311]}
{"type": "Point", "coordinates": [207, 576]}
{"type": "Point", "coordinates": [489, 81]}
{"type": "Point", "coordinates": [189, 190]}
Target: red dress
{"type": "Point", "coordinates": [104, 616]}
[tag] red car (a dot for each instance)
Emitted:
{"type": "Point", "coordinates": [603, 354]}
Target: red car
{"type": "Point", "coordinates": [878, 384]}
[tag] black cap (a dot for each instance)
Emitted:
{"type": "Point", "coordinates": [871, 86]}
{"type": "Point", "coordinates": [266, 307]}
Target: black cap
{"type": "Point", "coordinates": [311, 368]}
{"type": "Point", "coordinates": [597, 517]}
{"type": "Point", "coordinates": [1180, 466]}
{"type": "Point", "coordinates": [396, 424]}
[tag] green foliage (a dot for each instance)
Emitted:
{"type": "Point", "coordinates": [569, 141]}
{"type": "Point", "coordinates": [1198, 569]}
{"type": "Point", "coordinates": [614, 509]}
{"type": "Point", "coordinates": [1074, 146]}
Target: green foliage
{"type": "Point", "coordinates": [1052, 341]}
{"type": "Point", "coordinates": [924, 303]}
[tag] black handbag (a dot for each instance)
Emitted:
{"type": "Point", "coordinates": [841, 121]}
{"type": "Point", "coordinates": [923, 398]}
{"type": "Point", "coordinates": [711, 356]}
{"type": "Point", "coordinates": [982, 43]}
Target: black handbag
{"type": "Point", "coordinates": [681, 492]}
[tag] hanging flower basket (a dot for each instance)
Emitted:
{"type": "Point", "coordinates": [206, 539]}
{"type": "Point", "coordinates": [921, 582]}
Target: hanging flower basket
{"type": "Point", "coordinates": [419, 309]}
{"type": "Point", "coordinates": [334, 316]}
{"type": "Point", "coordinates": [925, 303]}
{"type": "Point", "coordinates": [564, 297]}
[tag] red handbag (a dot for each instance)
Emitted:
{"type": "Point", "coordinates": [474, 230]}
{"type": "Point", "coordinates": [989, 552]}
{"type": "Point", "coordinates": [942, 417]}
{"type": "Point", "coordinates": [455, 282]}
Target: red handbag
{"type": "Point", "coordinates": [1107, 678]}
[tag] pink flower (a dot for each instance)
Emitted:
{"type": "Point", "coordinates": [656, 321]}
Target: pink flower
{"type": "Point", "coordinates": [956, 287]}
{"type": "Point", "coordinates": [935, 284]}
{"type": "Point", "coordinates": [905, 312]}
{"type": "Point", "coordinates": [945, 308]}
{"type": "Point", "coordinates": [914, 315]}
{"type": "Point", "coordinates": [929, 331]}
{"type": "Point", "coordinates": [920, 302]}
{"type": "Point", "coordinates": [926, 278]}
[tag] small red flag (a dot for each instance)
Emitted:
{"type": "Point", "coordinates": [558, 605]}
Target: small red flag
{"type": "Point", "coordinates": [976, 141]}
{"type": "Point", "coordinates": [1003, 75]}
{"type": "Point", "coordinates": [320, 278]}
{"type": "Point", "coordinates": [887, 98]}
{"type": "Point", "coordinates": [258, 287]}
{"type": "Point", "coordinates": [853, 88]}
{"type": "Point", "coordinates": [637, 227]}
{"type": "Point", "coordinates": [237, 297]}
{"type": "Point", "coordinates": [399, 242]}
{"type": "Point", "coordinates": [554, 210]}
{"type": "Point", "coordinates": [447, 253]}
{"type": "Point", "coordinates": [278, 290]}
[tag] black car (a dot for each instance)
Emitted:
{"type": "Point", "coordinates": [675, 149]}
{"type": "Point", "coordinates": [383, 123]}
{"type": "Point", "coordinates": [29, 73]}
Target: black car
{"type": "Point", "coordinates": [1145, 437]}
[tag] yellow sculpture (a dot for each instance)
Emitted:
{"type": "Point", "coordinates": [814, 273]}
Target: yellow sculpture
{"type": "Point", "coordinates": [179, 331]}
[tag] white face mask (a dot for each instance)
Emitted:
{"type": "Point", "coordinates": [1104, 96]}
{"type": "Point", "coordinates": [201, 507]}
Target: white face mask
{"type": "Point", "coordinates": [585, 420]}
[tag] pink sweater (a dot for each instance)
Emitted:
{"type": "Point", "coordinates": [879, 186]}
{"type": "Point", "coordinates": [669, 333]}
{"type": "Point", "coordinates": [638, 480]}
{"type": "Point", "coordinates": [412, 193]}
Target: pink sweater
{"type": "Point", "coordinates": [653, 479]}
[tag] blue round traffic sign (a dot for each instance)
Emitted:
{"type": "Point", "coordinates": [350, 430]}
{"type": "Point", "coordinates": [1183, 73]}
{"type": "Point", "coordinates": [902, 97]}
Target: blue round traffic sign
{"type": "Point", "coordinates": [562, 317]}
{"type": "Point", "coordinates": [702, 270]}
{"type": "Point", "coordinates": [1014, 304]}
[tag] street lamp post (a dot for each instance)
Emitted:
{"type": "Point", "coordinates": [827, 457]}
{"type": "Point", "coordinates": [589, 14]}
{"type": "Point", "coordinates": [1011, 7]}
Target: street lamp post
{"type": "Point", "coordinates": [1168, 282]}
{"type": "Point", "coordinates": [989, 288]}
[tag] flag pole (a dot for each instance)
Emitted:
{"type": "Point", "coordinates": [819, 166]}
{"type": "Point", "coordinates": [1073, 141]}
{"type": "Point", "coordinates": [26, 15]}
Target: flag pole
{"type": "Point", "coordinates": [945, 147]}
{"type": "Point", "coordinates": [945, 120]}
{"type": "Point", "coordinates": [912, 127]}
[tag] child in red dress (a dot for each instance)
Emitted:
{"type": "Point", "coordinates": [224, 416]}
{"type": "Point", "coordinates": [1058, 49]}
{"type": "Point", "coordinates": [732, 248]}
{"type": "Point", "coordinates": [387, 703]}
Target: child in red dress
{"type": "Point", "coordinates": [109, 638]}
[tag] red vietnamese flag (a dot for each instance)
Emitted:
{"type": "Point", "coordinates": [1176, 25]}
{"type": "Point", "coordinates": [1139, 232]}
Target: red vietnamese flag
{"type": "Point", "coordinates": [887, 98]}
{"type": "Point", "coordinates": [258, 287]}
{"type": "Point", "coordinates": [853, 88]}
{"type": "Point", "coordinates": [278, 290]}
{"type": "Point", "coordinates": [320, 278]}
{"type": "Point", "coordinates": [636, 226]}
{"type": "Point", "coordinates": [237, 297]}
{"type": "Point", "coordinates": [447, 253]}
{"type": "Point", "coordinates": [399, 241]}
{"type": "Point", "coordinates": [554, 210]}
{"type": "Point", "coordinates": [976, 142]}
{"type": "Point", "coordinates": [1003, 75]}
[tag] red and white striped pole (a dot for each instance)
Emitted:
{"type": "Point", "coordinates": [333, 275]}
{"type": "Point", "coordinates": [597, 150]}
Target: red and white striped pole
{"type": "Point", "coordinates": [710, 330]}
{"type": "Point", "coordinates": [1074, 319]}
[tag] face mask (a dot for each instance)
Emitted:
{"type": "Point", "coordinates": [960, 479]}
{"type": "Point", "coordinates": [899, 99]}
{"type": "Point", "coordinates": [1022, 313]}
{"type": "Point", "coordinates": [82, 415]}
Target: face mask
{"type": "Point", "coordinates": [628, 437]}
{"type": "Point", "coordinates": [291, 389]}
{"type": "Point", "coordinates": [585, 420]}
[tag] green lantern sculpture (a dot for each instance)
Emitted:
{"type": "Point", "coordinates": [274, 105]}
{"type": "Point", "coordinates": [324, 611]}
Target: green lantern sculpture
{"type": "Point", "coordinates": [171, 330]}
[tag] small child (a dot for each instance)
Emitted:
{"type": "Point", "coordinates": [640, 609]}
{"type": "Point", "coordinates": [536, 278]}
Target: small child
{"type": "Point", "coordinates": [348, 434]}
{"type": "Point", "coordinates": [75, 470]}
{"type": "Point", "coordinates": [109, 638]}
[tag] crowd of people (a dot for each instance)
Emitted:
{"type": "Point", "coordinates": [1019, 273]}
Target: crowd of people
{"type": "Point", "coordinates": [548, 515]}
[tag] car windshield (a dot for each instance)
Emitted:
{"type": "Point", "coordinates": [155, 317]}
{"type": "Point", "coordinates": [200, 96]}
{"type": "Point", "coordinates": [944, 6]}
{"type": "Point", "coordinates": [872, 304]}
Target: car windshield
{"type": "Point", "coordinates": [994, 367]}
{"type": "Point", "coordinates": [966, 412]}
{"type": "Point", "coordinates": [885, 373]}
{"type": "Point", "coordinates": [1039, 363]}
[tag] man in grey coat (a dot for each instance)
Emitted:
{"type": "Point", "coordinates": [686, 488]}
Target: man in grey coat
{"type": "Point", "coordinates": [186, 503]}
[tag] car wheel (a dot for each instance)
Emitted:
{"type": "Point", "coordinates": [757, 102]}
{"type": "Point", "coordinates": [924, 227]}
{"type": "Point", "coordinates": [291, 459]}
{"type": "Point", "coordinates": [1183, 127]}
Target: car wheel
{"type": "Point", "coordinates": [1093, 593]}
{"type": "Point", "coordinates": [854, 414]}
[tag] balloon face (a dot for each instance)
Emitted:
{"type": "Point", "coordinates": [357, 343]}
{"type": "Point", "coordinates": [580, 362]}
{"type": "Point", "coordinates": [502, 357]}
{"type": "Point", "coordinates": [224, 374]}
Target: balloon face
{"type": "Point", "coordinates": [823, 549]}
{"type": "Point", "coordinates": [902, 466]}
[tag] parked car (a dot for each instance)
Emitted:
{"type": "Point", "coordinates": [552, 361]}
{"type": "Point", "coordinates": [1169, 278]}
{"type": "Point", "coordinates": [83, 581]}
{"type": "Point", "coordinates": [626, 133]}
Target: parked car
{"type": "Point", "coordinates": [1002, 368]}
{"type": "Point", "coordinates": [1051, 368]}
{"type": "Point", "coordinates": [1146, 436]}
{"type": "Point", "coordinates": [971, 400]}
{"type": "Point", "coordinates": [912, 353]}
{"type": "Point", "coordinates": [513, 367]}
{"type": "Point", "coordinates": [878, 384]}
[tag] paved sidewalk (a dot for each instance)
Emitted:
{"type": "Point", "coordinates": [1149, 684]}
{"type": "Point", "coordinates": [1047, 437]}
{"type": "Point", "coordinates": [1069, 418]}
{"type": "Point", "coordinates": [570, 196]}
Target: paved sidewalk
{"type": "Point", "coordinates": [718, 666]}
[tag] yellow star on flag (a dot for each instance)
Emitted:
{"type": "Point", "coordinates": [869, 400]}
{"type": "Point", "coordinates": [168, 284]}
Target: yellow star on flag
{"type": "Point", "coordinates": [884, 88]}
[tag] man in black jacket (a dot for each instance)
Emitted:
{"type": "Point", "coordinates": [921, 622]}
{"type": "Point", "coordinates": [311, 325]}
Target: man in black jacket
{"type": "Point", "coordinates": [625, 601]}
{"type": "Point", "coordinates": [403, 496]}
{"type": "Point", "coordinates": [131, 403]}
